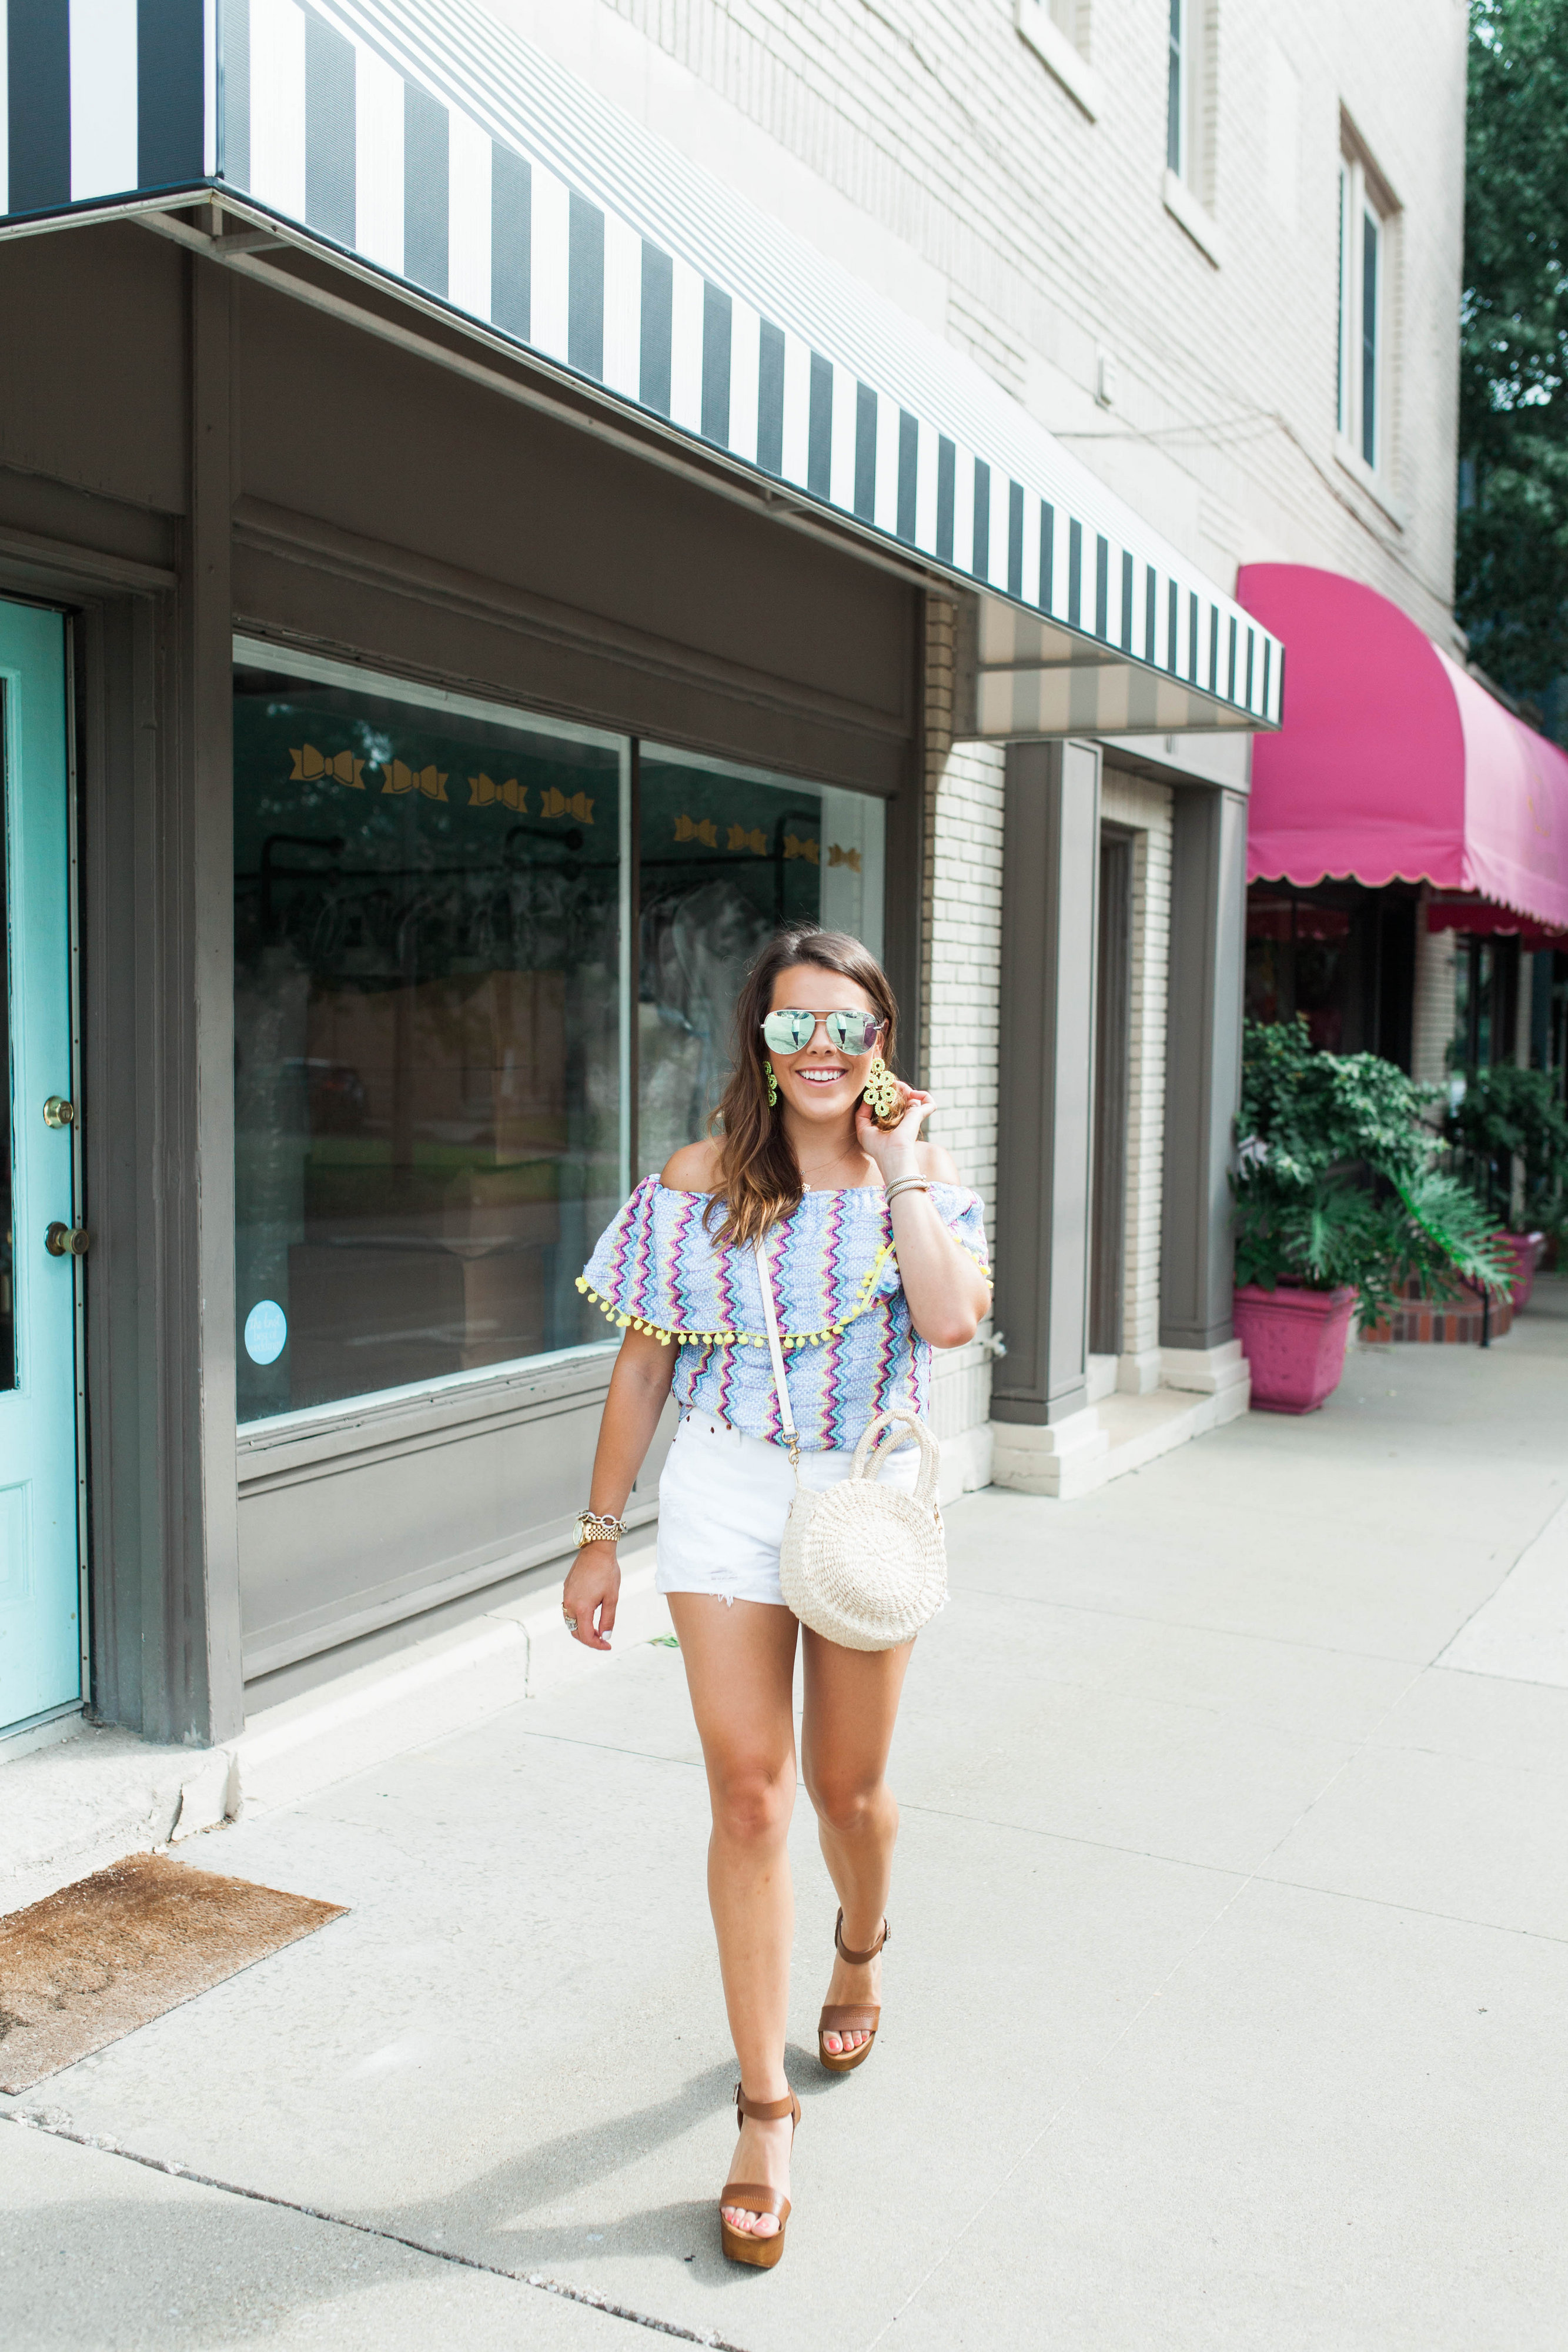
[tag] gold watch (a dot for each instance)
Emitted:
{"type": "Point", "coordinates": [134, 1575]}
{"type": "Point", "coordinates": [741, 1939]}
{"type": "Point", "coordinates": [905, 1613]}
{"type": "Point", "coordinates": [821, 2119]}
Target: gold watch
{"type": "Point", "coordinates": [598, 1527]}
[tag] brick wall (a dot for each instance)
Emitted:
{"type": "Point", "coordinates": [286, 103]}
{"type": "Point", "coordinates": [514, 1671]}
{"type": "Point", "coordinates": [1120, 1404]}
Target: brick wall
{"type": "Point", "coordinates": [1432, 1015]}
{"type": "Point", "coordinates": [931, 152]}
{"type": "Point", "coordinates": [963, 924]}
{"type": "Point", "coordinates": [960, 995]}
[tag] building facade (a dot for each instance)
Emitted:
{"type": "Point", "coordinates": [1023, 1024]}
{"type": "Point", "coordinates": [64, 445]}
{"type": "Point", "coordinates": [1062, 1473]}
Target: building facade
{"type": "Point", "coordinates": [1216, 249]}
{"type": "Point", "coordinates": [498, 506]}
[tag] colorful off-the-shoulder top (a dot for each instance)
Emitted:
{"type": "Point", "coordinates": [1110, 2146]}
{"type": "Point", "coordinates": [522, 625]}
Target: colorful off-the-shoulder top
{"type": "Point", "coordinates": [850, 1351]}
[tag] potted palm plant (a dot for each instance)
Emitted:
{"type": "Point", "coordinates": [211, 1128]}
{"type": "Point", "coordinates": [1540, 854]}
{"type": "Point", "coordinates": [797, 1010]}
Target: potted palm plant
{"type": "Point", "coordinates": [1509, 1137]}
{"type": "Point", "coordinates": [1339, 1208]}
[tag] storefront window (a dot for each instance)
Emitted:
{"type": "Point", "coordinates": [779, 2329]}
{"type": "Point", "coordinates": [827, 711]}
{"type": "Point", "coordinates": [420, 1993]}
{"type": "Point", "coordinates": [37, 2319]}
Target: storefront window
{"type": "Point", "coordinates": [437, 1011]}
{"type": "Point", "coordinates": [1270, 934]}
{"type": "Point", "coordinates": [1299, 962]}
{"type": "Point", "coordinates": [1486, 975]}
{"type": "Point", "coordinates": [1324, 973]}
{"type": "Point", "coordinates": [428, 1056]}
{"type": "Point", "coordinates": [727, 856]}
{"type": "Point", "coordinates": [1341, 957]}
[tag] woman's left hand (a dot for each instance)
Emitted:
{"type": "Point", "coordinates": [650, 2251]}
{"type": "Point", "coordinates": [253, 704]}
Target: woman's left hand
{"type": "Point", "coordinates": [894, 1148]}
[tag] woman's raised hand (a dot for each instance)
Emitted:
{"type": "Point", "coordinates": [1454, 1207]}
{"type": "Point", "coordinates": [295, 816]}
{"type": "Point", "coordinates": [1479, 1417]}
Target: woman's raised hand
{"type": "Point", "coordinates": [591, 1593]}
{"type": "Point", "coordinates": [892, 1147]}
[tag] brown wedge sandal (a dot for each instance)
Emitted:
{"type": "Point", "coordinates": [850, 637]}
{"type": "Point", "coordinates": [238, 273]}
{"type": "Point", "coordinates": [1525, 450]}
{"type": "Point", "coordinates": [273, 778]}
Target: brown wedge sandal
{"type": "Point", "coordinates": [753, 2196]}
{"type": "Point", "coordinates": [849, 2016]}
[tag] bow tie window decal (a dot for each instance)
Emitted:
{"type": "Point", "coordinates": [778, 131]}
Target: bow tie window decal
{"type": "Point", "coordinates": [558, 804]}
{"type": "Point", "coordinates": [398, 778]}
{"type": "Point", "coordinates": [309, 764]}
{"type": "Point", "coordinates": [484, 791]}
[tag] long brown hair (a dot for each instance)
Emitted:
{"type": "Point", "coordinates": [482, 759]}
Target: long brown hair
{"type": "Point", "coordinates": [758, 1176]}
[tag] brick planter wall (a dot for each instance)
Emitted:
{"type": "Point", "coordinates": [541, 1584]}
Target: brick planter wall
{"type": "Point", "coordinates": [1442, 1323]}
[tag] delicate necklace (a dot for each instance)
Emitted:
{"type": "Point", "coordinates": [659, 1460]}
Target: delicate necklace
{"type": "Point", "coordinates": [839, 1163]}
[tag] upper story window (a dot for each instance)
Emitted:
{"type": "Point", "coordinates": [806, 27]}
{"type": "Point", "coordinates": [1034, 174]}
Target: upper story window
{"type": "Point", "coordinates": [1364, 370]}
{"type": "Point", "coordinates": [1189, 49]}
{"type": "Point", "coordinates": [1190, 54]}
{"type": "Point", "coordinates": [1057, 32]}
{"type": "Point", "coordinates": [1175, 95]}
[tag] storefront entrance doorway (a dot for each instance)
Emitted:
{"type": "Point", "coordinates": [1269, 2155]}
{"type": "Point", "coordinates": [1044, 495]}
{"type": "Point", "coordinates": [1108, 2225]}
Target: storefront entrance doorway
{"type": "Point", "coordinates": [40, 1644]}
{"type": "Point", "coordinates": [1112, 1007]}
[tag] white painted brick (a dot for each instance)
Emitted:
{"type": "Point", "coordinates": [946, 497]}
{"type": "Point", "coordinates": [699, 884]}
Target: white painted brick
{"type": "Point", "coordinates": [950, 158]}
{"type": "Point", "coordinates": [1433, 1014]}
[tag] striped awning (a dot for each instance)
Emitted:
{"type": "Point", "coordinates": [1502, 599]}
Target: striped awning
{"type": "Point", "coordinates": [426, 143]}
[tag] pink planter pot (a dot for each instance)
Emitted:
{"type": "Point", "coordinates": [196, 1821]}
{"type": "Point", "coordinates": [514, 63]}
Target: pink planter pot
{"type": "Point", "coordinates": [1294, 1342]}
{"type": "Point", "coordinates": [1525, 1250]}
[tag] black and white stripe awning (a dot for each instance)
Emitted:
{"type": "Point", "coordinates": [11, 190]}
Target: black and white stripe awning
{"type": "Point", "coordinates": [435, 146]}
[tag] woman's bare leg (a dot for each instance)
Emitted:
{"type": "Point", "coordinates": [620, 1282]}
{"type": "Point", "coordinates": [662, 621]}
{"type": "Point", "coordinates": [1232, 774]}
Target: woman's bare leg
{"type": "Point", "coordinates": [740, 1665]}
{"type": "Point", "coordinates": [852, 1705]}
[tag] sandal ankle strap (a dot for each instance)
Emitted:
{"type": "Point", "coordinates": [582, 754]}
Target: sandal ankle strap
{"type": "Point", "coordinates": [763, 2111]}
{"type": "Point", "coordinates": [856, 1960]}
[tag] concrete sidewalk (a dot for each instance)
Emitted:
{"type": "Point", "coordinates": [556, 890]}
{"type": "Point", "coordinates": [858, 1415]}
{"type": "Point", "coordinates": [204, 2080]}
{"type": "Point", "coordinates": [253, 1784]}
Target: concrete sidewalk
{"type": "Point", "coordinates": [1227, 2000]}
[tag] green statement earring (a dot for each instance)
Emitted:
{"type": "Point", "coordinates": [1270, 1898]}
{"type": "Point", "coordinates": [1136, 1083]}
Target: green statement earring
{"type": "Point", "coordinates": [772, 1086]}
{"type": "Point", "coordinates": [883, 1092]}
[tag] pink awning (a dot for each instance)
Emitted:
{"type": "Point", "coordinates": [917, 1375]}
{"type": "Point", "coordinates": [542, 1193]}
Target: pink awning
{"type": "Point", "coordinates": [1392, 763]}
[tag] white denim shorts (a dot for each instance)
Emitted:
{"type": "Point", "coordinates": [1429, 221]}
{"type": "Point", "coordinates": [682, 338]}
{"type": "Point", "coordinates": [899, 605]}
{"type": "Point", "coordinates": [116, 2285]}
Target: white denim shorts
{"type": "Point", "coordinates": [723, 1501]}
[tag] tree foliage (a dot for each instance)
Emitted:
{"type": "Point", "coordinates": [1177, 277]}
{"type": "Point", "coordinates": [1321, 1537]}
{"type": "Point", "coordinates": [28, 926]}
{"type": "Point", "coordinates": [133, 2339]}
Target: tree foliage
{"type": "Point", "coordinates": [1512, 555]}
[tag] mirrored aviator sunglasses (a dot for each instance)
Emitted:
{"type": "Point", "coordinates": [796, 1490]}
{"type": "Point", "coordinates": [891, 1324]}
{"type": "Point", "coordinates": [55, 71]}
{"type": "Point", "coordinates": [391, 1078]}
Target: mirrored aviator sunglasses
{"type": "Point", "coordinates": [791, 1029]}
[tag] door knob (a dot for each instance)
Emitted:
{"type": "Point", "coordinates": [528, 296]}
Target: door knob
{"type": "Point", "coordinates": [59, 1112]}
{"type": "Point", "coordinates": [67, 1240]}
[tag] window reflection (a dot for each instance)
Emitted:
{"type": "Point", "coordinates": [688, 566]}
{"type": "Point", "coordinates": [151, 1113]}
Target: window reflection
{"type": "Point", "coordinates": [427, 1049]}
{"type": "Point", "coordinates": [725, 855]}
{"type": "Point", "coordinates": [434, 1007]}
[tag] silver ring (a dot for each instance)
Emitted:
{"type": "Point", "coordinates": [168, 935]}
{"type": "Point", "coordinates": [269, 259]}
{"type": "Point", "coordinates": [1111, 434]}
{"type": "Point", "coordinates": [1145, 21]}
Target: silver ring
{"type": "Point", "coordinates": [569, 1623]}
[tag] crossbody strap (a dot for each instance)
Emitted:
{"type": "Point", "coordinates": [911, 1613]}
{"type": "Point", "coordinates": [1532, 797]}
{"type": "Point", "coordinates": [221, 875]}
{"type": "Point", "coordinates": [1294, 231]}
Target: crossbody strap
{"type": "Point", "coordinates": [770, 1317]}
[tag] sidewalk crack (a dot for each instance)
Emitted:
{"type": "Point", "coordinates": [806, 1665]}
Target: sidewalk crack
{"type": "Point", "coordinates": [104, 2146]}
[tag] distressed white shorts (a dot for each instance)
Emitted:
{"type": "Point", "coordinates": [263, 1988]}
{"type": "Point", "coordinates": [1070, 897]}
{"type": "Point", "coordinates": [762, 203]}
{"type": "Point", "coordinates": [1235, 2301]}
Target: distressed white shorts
{"type": "Point", "coordinates": [723, 1501]}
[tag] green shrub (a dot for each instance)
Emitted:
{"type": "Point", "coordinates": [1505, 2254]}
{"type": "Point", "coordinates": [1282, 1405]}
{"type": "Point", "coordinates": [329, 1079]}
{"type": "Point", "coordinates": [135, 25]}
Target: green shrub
{"type": "Point", "coordinates": [1336, 1181]}
{"type": "Point", "coordinates": [1504, 1114]}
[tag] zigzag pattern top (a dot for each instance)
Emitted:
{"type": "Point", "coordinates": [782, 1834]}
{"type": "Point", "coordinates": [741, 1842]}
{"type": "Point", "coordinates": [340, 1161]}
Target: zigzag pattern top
{"type": "Point", "coordinates": [851, 1350]}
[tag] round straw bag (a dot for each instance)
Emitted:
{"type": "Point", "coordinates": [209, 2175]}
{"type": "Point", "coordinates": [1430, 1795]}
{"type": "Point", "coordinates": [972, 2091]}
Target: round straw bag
{"type": "Point", "coordinates": [862, 1564]}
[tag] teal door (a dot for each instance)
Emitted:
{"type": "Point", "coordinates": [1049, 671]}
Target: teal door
{"type": "Point", "coordinates": [41, 1635]}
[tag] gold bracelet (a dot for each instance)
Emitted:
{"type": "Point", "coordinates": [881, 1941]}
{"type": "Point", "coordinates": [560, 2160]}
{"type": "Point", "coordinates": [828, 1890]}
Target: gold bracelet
{"type": "Point", "coordinates": [908, 1184]}
{"type": "Point", "coordinates": [598, 1527]}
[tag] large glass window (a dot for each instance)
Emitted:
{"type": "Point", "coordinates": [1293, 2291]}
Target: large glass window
{"type": "Point", "coordinates": [727, 856]}
{"type": "Point", "coordinates": [427, 1034]}
{"type": "Point", "coordinates": [1341, 957]}
{"type": "Point", "coordinates": [449, 1061]}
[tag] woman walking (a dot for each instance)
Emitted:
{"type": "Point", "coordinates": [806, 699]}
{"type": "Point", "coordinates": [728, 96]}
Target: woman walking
{"type": "Point", "coordinates": [875, 1256]}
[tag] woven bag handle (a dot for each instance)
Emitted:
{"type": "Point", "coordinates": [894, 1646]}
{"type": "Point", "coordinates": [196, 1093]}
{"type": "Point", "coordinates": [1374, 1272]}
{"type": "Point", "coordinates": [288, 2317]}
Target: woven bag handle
{"type": "Point", "coordinates": [770, 1317]}
{"type": "Point", "coordinates": [876, 1429]}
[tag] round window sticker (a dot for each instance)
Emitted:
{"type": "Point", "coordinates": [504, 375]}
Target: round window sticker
{"type": "Point", "coordinates": [265, 1331]}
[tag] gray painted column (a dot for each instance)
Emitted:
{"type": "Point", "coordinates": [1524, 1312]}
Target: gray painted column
{"type": "Point", "coordinates": [1202, 1070]}
{"type": "Point", "coordinates": [206, 1697]}
{"type": "Point", "coordinates": [1051, 872]}
{"type": "Point", "coordinates": [158, 977]}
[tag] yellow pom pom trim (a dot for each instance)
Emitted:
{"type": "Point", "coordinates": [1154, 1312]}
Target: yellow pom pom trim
{"type": "Point", "coordinates": [818, 1339]}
